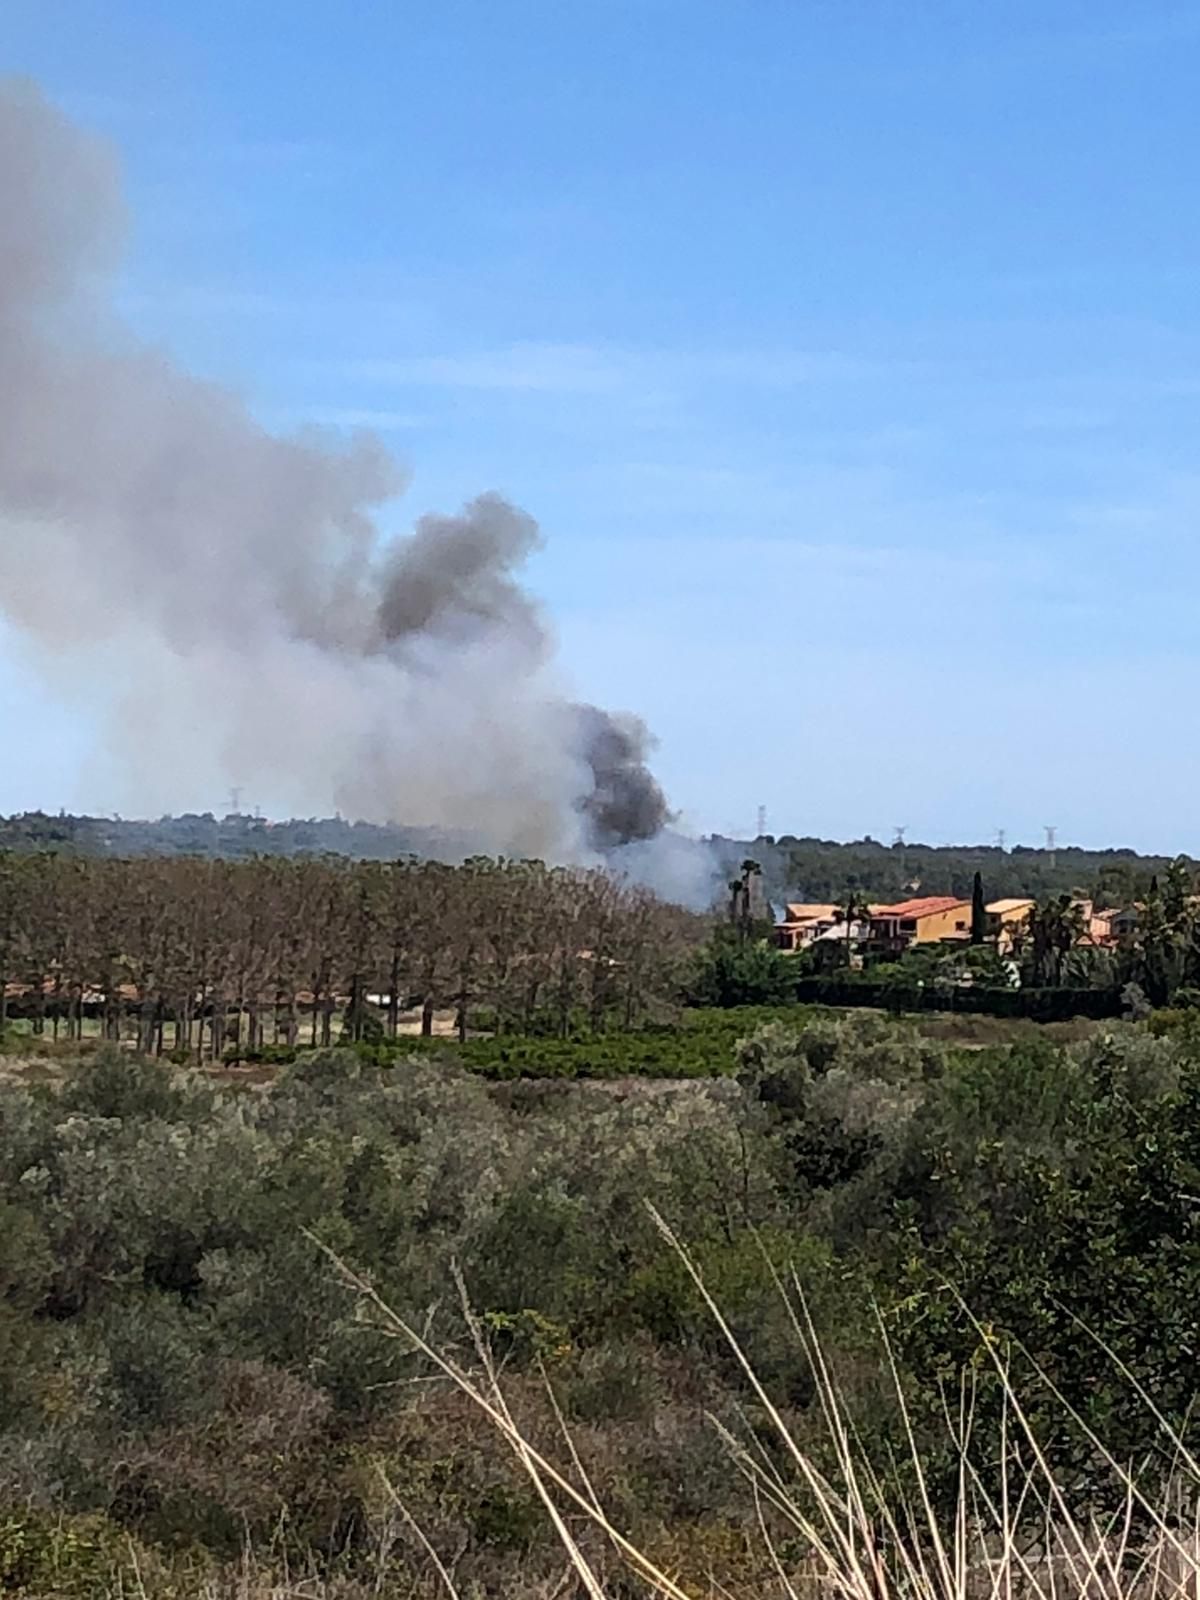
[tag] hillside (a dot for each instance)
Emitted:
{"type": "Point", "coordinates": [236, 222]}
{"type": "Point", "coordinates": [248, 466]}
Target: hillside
{"type": "Point", "coordinates": [823, 869]}
{"type": "Point", "coordinates": [793, 867]}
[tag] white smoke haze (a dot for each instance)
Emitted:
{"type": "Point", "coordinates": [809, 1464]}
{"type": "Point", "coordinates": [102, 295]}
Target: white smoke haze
{"type": "Point", "coordinates": [229, 590]}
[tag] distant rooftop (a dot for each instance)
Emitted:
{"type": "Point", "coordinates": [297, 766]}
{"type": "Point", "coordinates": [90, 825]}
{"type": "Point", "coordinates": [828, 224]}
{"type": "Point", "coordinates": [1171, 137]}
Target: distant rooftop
{"type": "Point", "coordinates": [805, 912]}
{"type": "Point", "coordinates": [927, 907]}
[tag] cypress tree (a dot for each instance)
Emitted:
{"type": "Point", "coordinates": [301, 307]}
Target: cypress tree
{"type": "Point", "coordinates": [978, 911]}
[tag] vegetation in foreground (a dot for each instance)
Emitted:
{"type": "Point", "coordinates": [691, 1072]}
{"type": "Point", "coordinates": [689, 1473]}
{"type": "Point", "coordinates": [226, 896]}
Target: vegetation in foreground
{"type": "Point", "coordinates": [186, 1375]}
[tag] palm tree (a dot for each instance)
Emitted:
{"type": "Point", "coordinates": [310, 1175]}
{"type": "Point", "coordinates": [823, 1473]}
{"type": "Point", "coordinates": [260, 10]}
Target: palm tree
{"type": "Point", "coordinates": [740, 912]}
{"type": "Point", "coordinates": [852, 910]}
{"type": "Point", "coordinates": [1055, 928]}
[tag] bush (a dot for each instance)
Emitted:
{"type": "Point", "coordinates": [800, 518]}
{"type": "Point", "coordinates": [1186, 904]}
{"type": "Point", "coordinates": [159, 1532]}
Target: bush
{"type": "Point", "coordinates": [732, 971]}
{"type": "Point", "coordinates": [178, 1358]}
{"type": "Point", "coordinates": [1042, 1005]}
{"type": "Point", "coordinates": [75, 1558]}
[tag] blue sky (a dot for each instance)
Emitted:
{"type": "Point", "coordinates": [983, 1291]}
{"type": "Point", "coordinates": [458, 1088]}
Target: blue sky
{"type": "Point", "coordinates": [848, 354]}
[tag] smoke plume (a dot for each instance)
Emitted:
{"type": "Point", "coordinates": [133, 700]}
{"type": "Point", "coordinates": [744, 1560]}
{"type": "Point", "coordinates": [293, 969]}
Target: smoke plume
{"type": "Point", "coordinates": [231, 589]}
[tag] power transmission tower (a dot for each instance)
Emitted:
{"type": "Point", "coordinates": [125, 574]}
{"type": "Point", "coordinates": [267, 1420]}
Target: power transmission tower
{"type": "Point", "coordinates": [233, 806]}
{"type": "Point", "coordinates": [898, 833]}
{"type": "Point", "coordinates": [1001, 838]}
{"type": "Point", "coordinates": [762, 823]}
{"type": "Point", "coordinates": [1051, 836]}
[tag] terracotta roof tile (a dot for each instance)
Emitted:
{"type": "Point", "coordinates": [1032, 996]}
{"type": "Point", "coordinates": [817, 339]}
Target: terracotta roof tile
{"type": "Point", "coordinates": [927, 907]}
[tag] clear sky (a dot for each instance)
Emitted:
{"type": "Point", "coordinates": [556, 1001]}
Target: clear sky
{"type": "Point", "coordinates": [847, 351]}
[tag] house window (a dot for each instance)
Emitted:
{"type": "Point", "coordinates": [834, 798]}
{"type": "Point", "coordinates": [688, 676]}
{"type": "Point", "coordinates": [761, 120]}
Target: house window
{"type": "Point", "coordinates": [960, 927]}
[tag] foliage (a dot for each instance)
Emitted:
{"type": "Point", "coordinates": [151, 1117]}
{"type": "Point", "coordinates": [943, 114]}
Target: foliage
{"type": "Point", "coordinates": [895, 989]}
{"type": "Point", "coordinates": [731, 970]}
{"type": "Point", "coordinates": [181, 1364]}
{"type": "Point", "coordinates": [820, 869]}
{"type": "Point", "coordinates": [221, 959]}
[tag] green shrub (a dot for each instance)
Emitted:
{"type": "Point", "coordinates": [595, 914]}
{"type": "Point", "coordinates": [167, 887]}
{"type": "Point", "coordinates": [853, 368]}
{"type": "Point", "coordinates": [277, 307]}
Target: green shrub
{"type": "Point", "coordinates": [70, 1558]}
{"type": "Point", "coordinates": [732, 970]}
{"type": "Point", "coordinates": [178, 1354]}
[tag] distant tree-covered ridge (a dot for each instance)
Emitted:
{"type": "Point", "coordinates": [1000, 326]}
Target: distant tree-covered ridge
{"type": "Point", "coordinates": [792, 867]}
{"type": "Point", "coordinates": [821, 870]}
{"type": "Point", "coordinates": [229, 837]}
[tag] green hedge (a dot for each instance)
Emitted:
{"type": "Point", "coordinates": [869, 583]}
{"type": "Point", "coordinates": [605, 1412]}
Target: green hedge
{"type": "Point", "coordinates": [1039, 1005]}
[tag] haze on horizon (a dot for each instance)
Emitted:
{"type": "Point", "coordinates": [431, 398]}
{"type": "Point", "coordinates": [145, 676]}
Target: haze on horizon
{"type": "Point", "coordinates": [846, 358]}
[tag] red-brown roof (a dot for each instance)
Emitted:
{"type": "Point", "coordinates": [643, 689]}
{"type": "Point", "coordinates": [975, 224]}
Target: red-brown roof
{"type": "Point", "coordinates": [927, 907]}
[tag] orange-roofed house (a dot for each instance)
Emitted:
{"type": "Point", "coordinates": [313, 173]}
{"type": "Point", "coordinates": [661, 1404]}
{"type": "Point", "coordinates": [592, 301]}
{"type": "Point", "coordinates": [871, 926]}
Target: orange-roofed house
{"type": "Point", "coordinates": [1008, 923]}
{"type": "Point", "coordinates": [802, 924]}
{"type": "Point", "coordinates": [924, 921]}
{"type": "Point", "coordinates": [1110, 926]}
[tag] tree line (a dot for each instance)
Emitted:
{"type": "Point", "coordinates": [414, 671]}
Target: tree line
{"type": "Point", "coordinates": [207, 953]}
{"type": "Point", "coordinates": [793, 868]}
{"type": "Point", "coordinates": [822, 870]}
{"type": "Point", "coordinates": [234, 834]}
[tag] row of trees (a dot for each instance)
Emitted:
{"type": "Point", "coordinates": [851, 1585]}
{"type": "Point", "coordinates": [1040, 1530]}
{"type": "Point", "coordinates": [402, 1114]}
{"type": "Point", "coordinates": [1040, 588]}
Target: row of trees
{"type": "Point", "coordinates": [207, 952]}
{"type": "Point", "coordinates": [820, 869]}
{"type": "Point", "coordinates": [1160, 954]}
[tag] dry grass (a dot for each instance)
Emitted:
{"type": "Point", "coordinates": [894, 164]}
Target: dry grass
{"type": "Point", "coordinates": [975, 1031]}
{"type": "Point", "coordinates": [862, 1538]}
{"type": "Point", "coordinates": [859, 1538]}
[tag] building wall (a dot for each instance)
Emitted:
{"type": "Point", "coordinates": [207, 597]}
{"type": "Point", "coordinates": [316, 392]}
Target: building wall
{"type": "Point", "coordinates": [1008, 925]}
{"type": "Point", "coordinates": [944, 924]}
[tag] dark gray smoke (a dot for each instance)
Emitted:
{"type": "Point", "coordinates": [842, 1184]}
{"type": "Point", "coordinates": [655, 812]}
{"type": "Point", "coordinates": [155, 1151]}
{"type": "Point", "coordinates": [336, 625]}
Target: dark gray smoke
{"type": "Point", "coordinates": [624, 802]}
{"type": "Point", "coordinates": [230, 591]}
{"type": "Point", "coordinates": [453, 578]}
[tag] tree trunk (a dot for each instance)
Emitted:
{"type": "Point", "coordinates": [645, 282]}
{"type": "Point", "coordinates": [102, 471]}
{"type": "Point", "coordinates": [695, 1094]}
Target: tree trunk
{"type": "Point", "coordinates": [354, 1010]}
{"type": "Point", "coordinates": [464, 994]}
{"type": "Point", "coordinates": [394, 995]}
{"type": "Point", "coordinates": [531, 999]}
{"type": "Point", "coordinates": [217, 1028]}
{"type": "Point", "coordinates": [145, 1034]}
